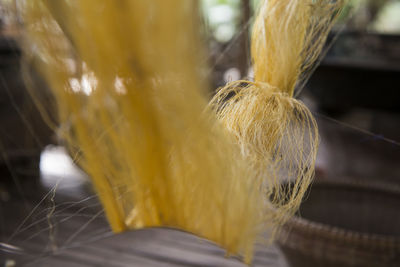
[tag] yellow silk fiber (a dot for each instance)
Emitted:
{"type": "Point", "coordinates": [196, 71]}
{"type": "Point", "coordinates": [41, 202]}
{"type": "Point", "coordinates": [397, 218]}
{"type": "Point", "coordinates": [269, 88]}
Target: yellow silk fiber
{"type": "Point", "coordinates": [275, 130]}
{"type": "Point", "coordinates": [127, 77]}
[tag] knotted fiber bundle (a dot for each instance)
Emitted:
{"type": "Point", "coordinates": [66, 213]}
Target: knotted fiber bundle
{"type": "Point", "coordinates": [271, 126]}
{"type": "Point", "coordinates": [127, 80]}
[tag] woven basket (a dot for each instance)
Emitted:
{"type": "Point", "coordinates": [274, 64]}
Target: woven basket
{"type": "Point", "coordinates": [345, 224]}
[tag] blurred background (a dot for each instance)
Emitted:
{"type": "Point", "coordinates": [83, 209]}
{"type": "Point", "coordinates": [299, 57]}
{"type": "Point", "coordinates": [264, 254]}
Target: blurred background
{"type": "Point", "coordinates": [349, 218]}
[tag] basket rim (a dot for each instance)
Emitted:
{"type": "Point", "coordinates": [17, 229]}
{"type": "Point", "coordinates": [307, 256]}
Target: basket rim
{"type": "Point", "coordinates": [310, 229]}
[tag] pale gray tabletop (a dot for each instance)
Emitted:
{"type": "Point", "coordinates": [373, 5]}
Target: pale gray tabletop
{"type": "Point", "coordinates": [151, 247]}
{"type": "Point", "coordinates": [60, 222]}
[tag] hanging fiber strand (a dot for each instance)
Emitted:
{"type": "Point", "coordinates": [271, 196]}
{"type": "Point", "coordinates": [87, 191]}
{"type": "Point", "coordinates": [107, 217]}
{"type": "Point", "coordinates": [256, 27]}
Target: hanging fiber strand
{"type": "Point", "coordinates": [128, 83]}
{"type": "Point", "coordinates": [272, 127]}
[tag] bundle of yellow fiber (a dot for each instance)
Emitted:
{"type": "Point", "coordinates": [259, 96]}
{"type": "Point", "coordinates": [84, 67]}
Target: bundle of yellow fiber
{"type": "Point", "coordinates": [127, 80]}
{"type": "Point", "coordinates": [269, 124]}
